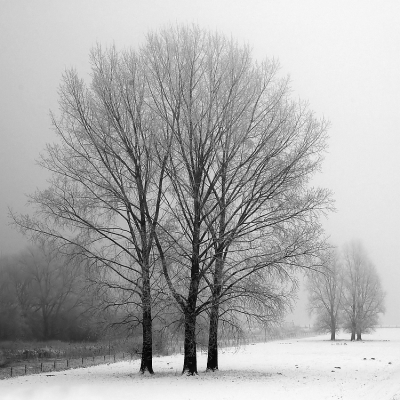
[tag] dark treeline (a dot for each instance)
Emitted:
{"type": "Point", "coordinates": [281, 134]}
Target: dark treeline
{"type": "Point", "coordinates": [44, 295]}
{"type": "Point", "coordinates": [181, 176]}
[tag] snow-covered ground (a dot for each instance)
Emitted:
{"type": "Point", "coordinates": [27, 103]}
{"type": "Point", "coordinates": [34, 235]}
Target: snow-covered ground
{"type": "Point", "coordinates": [309, 368]}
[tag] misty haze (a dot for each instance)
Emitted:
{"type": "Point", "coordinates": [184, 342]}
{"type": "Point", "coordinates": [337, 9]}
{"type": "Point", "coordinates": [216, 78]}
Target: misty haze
{"type": "Point", "coordinates": [199, 198]}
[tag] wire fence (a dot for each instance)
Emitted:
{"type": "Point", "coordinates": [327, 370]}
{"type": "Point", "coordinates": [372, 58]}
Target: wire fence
{"type": "Point", "coordinates": [31, 366]}
{"type": "Point", "coordinates": [51, 365]}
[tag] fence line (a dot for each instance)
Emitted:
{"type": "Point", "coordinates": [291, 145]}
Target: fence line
{"type": "Point", "coordinates": [62, 364]}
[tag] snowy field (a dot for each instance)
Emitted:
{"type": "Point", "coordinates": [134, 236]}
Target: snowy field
{"type": "Point", "coordinates": [310, 368]}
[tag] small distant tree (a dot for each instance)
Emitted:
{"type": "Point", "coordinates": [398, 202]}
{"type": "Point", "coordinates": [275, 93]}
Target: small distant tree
{"type": "Point", "coordinates": [364, 297]}
{"type": "Point", "coordinates": [11, 321]}
{"type": "Point", "coordinates": [325, 293]}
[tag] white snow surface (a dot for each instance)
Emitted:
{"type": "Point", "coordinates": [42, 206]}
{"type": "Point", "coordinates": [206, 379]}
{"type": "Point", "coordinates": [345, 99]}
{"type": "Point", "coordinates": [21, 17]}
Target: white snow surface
{"type": "Point", "coordinates": [311, 368]}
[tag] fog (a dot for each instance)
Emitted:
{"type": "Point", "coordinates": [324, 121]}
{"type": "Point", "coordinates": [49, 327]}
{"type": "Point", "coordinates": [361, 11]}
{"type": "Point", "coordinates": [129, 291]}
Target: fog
{"type": "Point", "coordinates": [343, 58]}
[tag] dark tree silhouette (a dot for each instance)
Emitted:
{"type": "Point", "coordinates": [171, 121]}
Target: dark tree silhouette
{"type": "Point", "coordinates": [104, 194]}
{"type": "Point", "coordinates": [190, 146]}
{"type": "Point", "coordinates": [241, 157]}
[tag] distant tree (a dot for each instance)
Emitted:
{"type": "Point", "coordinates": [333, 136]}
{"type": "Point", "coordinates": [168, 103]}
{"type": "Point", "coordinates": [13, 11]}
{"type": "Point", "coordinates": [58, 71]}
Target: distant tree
{"type": "Point", "coordinates": [363, 296]}
{"type": "Point", "coordinates": [49, 286]}
{"type": "Point", "coordinates": [325, 293]}
{"type": "Point", "coordinates": [11, 320]}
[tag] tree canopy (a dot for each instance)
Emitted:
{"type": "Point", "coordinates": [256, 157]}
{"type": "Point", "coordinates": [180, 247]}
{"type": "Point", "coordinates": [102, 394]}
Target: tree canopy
{"type": "Point", "coordinates": [183, 170]}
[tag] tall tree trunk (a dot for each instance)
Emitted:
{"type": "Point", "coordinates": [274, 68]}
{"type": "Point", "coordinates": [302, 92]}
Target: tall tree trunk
{"type": "Point", "coordinates": [147, 345]}
{"type": "Point", "coordinates": [212, 356]}
{"type": "Point", "coordinates": [353, 320]}
{"type": "Point", "coordinates": [360, 313]}
{"type": "Point", "coordinates": [353, 331]}
{"type": "Point", "coordinates": [333, 326]}
{"type": "Point", "coordinates": [190, 357]}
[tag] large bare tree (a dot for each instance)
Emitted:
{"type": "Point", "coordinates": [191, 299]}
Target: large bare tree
{"type": "Point", "coordinates": [241, 158]}
{"type": "Point", "coordinates": [191, 145]}
{"type": "Point", "coordinates": [104, 194]}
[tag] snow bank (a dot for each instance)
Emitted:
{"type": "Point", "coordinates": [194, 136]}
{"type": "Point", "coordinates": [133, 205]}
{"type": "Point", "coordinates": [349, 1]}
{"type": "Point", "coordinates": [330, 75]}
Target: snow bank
{"type": "Point", "coordinates": [309, 368]}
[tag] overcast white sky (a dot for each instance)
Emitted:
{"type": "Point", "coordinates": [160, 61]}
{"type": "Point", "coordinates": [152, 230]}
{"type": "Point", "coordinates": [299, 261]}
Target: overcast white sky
{"type": "Point", "coordinates": [342, 56]}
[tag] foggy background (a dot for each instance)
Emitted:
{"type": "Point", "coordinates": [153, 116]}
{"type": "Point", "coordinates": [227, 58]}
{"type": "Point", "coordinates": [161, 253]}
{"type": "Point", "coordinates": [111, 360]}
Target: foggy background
{"type": "Point", "coordinates": [343, 57]}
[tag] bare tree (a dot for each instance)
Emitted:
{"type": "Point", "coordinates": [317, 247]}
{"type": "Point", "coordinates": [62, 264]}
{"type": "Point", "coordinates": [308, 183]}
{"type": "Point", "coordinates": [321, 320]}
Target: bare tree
{"type": "Point", "coordinates": [325, 293]}
{"type": "Point", "coordinates": [46, 288]}
{"type": "Point", "coordinates": [105, 191]}
{"type": "Point", "coordinates": [10, 311]}
{"type": "Point", "coordinates": [54, 285]}
{"type": "Point", "coordinates": [190, 145]}
{"type": "Point", "coordinates": [241, 159]}
{"type": "Point", "coordinates": [363, 294]}
{"type": "Point", "coordinates": [272, 255]}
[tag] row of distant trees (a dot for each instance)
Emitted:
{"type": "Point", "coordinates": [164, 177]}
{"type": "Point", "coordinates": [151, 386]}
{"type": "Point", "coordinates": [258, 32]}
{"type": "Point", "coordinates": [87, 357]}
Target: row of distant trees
{"type": "Point", "coordinates": [44, 295]}
{"type": "Point", "coordinates": [347, 294]}
{"type": "Point", "coordinates": [181, 175]}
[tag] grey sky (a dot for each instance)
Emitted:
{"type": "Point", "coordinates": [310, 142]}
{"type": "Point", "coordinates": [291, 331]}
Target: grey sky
{"type": "Point", "coordinates": [342, 56]}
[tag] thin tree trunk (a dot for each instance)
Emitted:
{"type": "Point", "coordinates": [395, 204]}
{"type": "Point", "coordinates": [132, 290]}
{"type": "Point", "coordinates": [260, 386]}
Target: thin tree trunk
{"type": "Point", "coordinates": [190, 357]}
{"type": "Point", "coordinates": [360, 313]}
{"type": "Point", "coordinates": [333, 327]}
{"type": "Point", "coordinates": [147, 345]}
{"type": "Point", "coordinates": [353, 321]}
{"type": "Point", "coordinates": [212, 357]}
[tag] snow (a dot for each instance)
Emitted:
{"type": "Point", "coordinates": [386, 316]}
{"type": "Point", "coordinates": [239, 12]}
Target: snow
{"type": "Point", "coordinates": [307, 368]}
